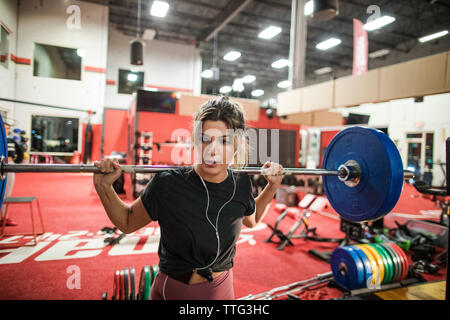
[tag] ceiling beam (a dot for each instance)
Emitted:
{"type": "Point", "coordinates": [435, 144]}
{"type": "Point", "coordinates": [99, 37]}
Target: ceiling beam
{"type": "Point", "coordinates": [229, 12]}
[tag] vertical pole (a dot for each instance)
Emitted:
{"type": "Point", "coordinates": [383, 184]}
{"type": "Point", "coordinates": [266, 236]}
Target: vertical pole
{"type": "Point", "coordinates": [447, 164]}
{"type": "Point", "coordinates": [297, 50]}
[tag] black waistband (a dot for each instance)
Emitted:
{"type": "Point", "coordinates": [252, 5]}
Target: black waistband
{"type": "Point", "coordinates": [186, 276]}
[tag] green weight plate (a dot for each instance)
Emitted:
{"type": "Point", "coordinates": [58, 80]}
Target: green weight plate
{"type": "Point", "coordinates": [395, 259]}
{"type": "Point", "coordinates": [144, 280]}
{"type": "Point", "coordinates": [388, 264]}
{"type": "Point", "coordinates": [148, 282]}
{"type": "Point", "coordinates": [153, 272]}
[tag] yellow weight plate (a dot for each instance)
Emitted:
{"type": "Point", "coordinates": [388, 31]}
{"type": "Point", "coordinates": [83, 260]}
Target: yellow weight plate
{"type": "Point", "coordinates": [373, 262]}
{"type": "Point", "coordinates": [379, 261]}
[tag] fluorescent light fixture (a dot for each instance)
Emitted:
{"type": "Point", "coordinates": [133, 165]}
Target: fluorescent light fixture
{"type": "Point", "coordinates": [284, 84]}
{"type": "Point", "coordinates": [269, 32]}
{"type": "Point", "coordinates": [379, 23]}
{"type": "Point", "coordinates": [433, 36]}
{"type": "Point", "coordinates": [281, 63]}
{"type": "Point", "coordinates": [159, 9]}
{"type": "Point", "coordinates": [248, 79]}
{"type": "Point", "coordinates": [309, 8]}
{"type": "Point", "coordinates": [323, 70]}
{"type": "Point", "coordinates": [81, 53]}
{"type": "Point", "coordinates": [225, 89]}
{"type": "Point", "coordinates": [207, 74]}
{"type": "Point", "coordinates": [238, 85]}
{"type": "Point", "coordinates": [132, 77]}
{"type": "Point", "coordinates": [232, 55]}
{"type": "Point", "coordinates": [152, 89]}
{"type": "Point", "coordinates": [379, 53]}
{"type": "Point", "coordinates": [257, 93]}
{"type": "Point", "coordinates": [327, 44]}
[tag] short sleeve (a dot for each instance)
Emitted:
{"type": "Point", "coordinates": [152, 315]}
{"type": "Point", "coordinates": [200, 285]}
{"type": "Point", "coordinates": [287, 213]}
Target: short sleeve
{"type": "Point", "coordinates": [151, 197]}
{"type": "Point", "coordinates": [250, 200]}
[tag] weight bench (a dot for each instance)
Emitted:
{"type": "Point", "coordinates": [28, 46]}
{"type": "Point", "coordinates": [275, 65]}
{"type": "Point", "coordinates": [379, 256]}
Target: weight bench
{"type": "Point", "coordinates": [294, 213]}
{"type": "Point", "coordinates": [23, 200]}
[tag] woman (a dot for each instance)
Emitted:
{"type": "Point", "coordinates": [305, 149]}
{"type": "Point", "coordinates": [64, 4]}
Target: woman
{"type": "Point", "coordinates": [200, 209]}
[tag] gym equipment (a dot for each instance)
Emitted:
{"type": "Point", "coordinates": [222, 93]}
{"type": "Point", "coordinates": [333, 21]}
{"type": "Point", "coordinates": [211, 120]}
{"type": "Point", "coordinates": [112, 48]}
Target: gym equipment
{"type": "Point", "coordinates": [363, 172]}
{"type": "Point", "coordinates": [374, 174]}
{"type": "Point", "coordinates": [145, 284]}
{"type": "Point", "coordinates": [369, 265]}
{"type": "Point", "coordinates": [132, 284]}
{"type": "Point", "coordinates": [353, 231]}
{"type": "Point", "coordinates": [124, 286]}
{"type": "Point", "coordinates": [292, 287]}
{"type": "Point", "coordinates": [296, 214]}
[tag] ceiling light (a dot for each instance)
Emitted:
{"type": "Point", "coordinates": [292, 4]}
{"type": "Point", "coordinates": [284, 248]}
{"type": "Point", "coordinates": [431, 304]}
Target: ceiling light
{"type": "Point", "coordinates": [248, 79]}
{"type": "Point", "coordinates": [257, 93]}
{"type": "Point", "coordinates": [152, 89]}
{"type": "Point", "coordinates": [378, 23]}
{"type": "Point", "coordinates": [132, 77]}
{"type": "Point", "coordinates": [81, 53]}
{"type": "Point", "coordinates": [284, 84]}
{"type": "Point", "coordinates": [232, 55]}
{"type": "Point", "coordinates": [207, 74]}
{"type": "Point", "coordinates": [309, 8]}
{"type": "Point", "coordinates": [269, 32]}
{"type": "Point", "coordinates": [159, 9]}
{"type": "Point", "coordinates": [323, 70]}
{"type": "Point", "coordinates": [379, 53]}
{"type": "Point", "coordinates": [433, 36]}
{"type": "Point", "coordinates": [238, 86]}
{"type": "Point", "coordinates": [225, 89]}
{"type": "Point", "coordinates": [281, 63]}
{"type": "Point", "coordinates": [327, 44]}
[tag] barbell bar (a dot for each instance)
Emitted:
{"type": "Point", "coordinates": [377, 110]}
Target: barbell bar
{"type": "Point", "coordinates": [362, 172]}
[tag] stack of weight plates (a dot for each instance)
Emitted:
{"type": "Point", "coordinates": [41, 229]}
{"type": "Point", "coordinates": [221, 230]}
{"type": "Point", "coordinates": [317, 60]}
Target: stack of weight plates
{"type": "Point", "coordinates": [369, 265]}
{"type": "Point", "coordinates": [124, 285]}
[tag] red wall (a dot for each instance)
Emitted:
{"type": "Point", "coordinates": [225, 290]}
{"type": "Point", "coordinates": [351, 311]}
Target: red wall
{"type": "Point", "coordinates": [325, 139]}
{"type": "Point", "coordinates": [115, 131]}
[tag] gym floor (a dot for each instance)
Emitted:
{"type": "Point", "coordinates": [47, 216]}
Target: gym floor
{"type": "Point", "coordinates": [71, 261]}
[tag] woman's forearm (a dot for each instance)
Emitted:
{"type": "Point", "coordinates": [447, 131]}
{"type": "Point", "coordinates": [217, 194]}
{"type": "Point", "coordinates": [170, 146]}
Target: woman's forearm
{"type": "Point", "coordinates": [263, 200]}
{"type": "Point", "coordinates": [115, 208]}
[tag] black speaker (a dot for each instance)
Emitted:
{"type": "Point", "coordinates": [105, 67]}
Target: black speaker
{"type": "Point", "coordinates": [325, 9]}
{"type": "Point", "coordinates": [137, 52]}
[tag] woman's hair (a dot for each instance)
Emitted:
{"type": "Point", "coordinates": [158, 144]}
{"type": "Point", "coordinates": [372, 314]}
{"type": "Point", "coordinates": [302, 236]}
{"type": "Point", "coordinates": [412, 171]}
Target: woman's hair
{"type": "Point", "coordinates": [231, 113]}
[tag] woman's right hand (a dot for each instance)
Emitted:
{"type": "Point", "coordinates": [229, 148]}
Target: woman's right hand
{"type": "Point", "coordinates": [110, 172]}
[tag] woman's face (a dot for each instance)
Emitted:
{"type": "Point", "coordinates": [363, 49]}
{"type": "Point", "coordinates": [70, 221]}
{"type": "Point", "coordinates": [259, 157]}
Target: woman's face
{"type": "Point", "coordinates": [217, 147]}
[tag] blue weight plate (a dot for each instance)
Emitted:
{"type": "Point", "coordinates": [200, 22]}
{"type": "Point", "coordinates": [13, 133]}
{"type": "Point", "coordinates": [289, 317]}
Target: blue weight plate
{"type": "Point", "coordinates": [366, 263]}
{"type": "Point", "coordinates": [347, 268]}
{"type": "Point", "coordinates": [4, 153]}
{"type": "Point", "coordinates": [381, 174]}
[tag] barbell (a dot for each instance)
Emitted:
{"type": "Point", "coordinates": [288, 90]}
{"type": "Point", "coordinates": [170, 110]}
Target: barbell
{"type": "Point", "coordinates": [362, 172]}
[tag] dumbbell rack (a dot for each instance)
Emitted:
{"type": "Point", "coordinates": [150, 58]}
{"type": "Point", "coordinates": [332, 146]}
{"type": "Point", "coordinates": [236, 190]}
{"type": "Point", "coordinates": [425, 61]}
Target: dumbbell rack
{"type": "Point", "coordinates": [124, 284]}
{"type": "Point", "coordinates": [143, 154]}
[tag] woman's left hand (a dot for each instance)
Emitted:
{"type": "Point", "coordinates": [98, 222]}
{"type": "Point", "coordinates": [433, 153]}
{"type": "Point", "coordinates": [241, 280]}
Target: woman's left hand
{"type": "Point", "coordinates": [273, 171]}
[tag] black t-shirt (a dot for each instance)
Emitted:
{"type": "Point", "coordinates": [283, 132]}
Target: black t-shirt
{"type": "Point", "coordinates": [177, 199]}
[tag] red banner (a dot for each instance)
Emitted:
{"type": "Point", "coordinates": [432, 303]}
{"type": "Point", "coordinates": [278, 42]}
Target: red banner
{"type": "Point", "coordinates": [360, 48]}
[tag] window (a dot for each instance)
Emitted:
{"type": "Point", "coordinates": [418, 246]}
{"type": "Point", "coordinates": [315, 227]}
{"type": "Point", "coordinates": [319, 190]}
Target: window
{"type": "Point", "coordinates": [4, 46]}
{"type": "Point", "coordinates": [54, 134]}
{"type": "Point", "coordinates": [4, 114]}
{"type": "Point", "coordinates": [56, 62]}
{"type": "Point", "coordinates": [129, 81]}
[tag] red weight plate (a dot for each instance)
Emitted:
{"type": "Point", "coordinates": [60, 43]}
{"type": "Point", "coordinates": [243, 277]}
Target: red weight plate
{"type": "Point", "coordinates": [121, 284]}
{"type": "Point", "coordinates": [116, 285]}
